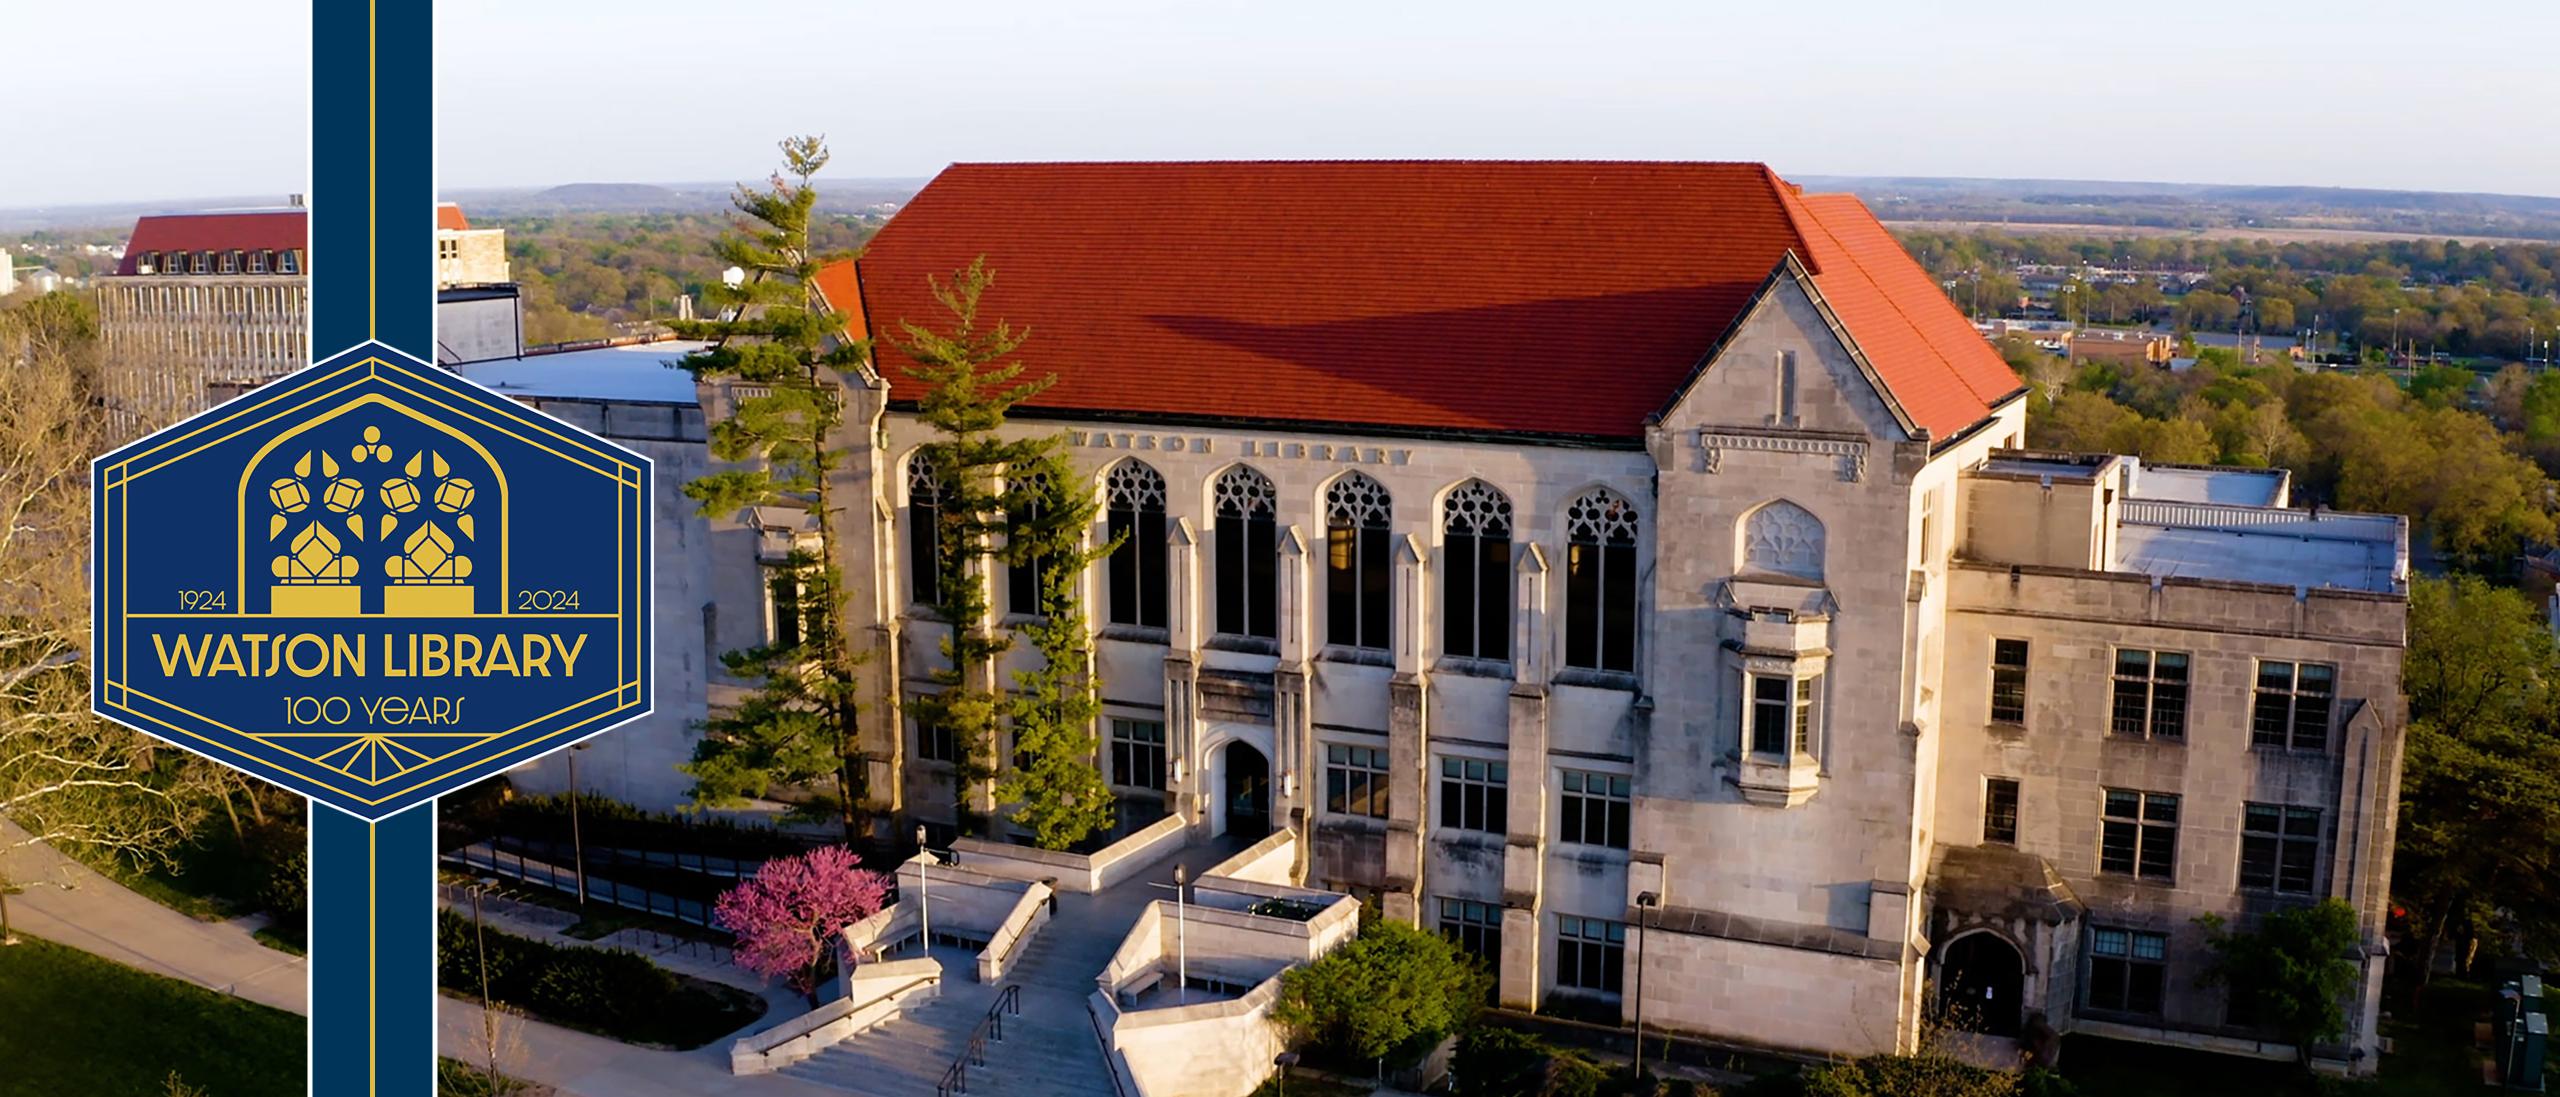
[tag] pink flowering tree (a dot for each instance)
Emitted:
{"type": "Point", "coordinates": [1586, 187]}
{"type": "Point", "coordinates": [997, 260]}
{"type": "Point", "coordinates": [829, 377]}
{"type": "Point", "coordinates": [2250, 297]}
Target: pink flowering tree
{"type": "Point", "coordinates": [787, 915]}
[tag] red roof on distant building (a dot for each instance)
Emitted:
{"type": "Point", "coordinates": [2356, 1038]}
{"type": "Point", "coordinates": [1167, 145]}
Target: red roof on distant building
{"type": "Point", "coordinates": [263, 230]}
{"type": "Point", "coordinates": [1553, 298]}
{"type": "Point", "coordinates": [449, 218]}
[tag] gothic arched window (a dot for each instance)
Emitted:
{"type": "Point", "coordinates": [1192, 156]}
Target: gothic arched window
{"type": "Point", "coordinates": [1025, 576]}
{"type": "Point", "coordinates": [1248, 554]}
{"type": "Point", "coordinates": [1358, 583]}
{"type": "Point", "coordinates": [1600, 582]}
{"type": "Point", "coordinates": [1475, 591]}
{"type": "Point", "coordinates": [924, 533]}
{"type": "Point", "coordinates": [1784, 539]}
{"type": "Point", "coordinates": [1133, 501]}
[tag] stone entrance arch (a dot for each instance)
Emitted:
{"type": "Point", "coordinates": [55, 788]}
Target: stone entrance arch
{"type": "Point", "coordinates": [1982, 984]}
{"type": "Point", "coordinates": [1246, 790]}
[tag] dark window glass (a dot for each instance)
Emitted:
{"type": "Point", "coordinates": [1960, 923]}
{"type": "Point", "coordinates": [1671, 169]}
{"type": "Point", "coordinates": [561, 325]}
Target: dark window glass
{"type": "Point", "coordinates": [1476, 927]}
{"type": "Point", "coordinates": [2127, 969]}
{"type": "Point", "coordinates": [2150, 694]}
{"type": "Point", "coordinates": [783, 608]}
{"type": "Point", "coordinates": [2293, 704]}
{"type": "Point", "coordinates": [1248, 550]}
{"type": "Point", "coordinates": [934, 743]}
{"type": "Point", "coordinates": [1597, 809]}
{"type": "Point", "coordinates": [1474, 795]}
{"type": "Point", "coordinates": [1135, 513]}
{"type": "Point", "coordinates": [1476, 592]}
{"type": "Point", "coordinates": [2138, 835]}
{"type": "Point", "coordinates": [1137, 753]}
{"type": "Point", "coordinates": [1358, 582]}
{"type": "Point", "coordinates": [2000, 811]}
{"type": "Point", "coordinates": [1600, 582]}
{"type": "Point", "coordinates": [2008, 681]}
{"type": "Point", "coordinates": [1591, 954]}
{"type": "Point", "coordinates": [2280, 848]}
{"type": "Point", "coordinates": [924, 534]}
{"type": "Point", "coordinates": [1024, 578]}
{"type": "Point", "coordinates": [1355, 780]}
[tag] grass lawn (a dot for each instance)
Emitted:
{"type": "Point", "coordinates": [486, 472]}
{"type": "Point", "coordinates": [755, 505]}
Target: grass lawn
{"type": "Point", "coordinates": [71, 1023]}
{"type": "Point", "coordinates": [212, 877]}
{"type": "Point", "coordinates": [2431, 1057]}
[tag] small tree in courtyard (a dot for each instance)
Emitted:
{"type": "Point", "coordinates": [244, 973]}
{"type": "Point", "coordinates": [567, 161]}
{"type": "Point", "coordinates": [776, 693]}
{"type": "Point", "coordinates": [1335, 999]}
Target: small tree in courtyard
{"type": "Point", "coordinates": [1386, 989]}
{"type": "Point", "coordinates": [787, 915]}
{"type": "Point", "coordinates": [800, 726]}
{"type": "Point", "coordinates": [1013, 499]}
{"type": "Point", "coordinates": [2293, 972]}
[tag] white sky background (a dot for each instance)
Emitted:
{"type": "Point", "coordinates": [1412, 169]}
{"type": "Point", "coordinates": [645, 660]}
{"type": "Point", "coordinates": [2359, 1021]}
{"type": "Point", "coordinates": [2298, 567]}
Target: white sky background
{"type": "Point", "coordinates": [2448, 95]}
{"type": "Point", "coordinates": [145, 100]}
{"type": "Point", "coordinates": [2441, 95]}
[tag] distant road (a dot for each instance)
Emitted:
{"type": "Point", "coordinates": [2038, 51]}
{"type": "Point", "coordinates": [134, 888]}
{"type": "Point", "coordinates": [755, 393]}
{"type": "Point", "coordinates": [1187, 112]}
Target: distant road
{"type": "Point", "coordinates": [2231, 232]}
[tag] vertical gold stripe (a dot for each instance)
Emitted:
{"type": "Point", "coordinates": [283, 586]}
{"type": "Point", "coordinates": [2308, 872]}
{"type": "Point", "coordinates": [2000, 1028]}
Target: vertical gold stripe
{"type": "Point", "coordinates": [373, 171]}
{"type": "Point", "coordinates": [372, 957]}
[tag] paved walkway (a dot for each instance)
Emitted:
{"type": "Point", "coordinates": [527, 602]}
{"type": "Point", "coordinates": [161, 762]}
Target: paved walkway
{"type": "Point", "coordinates": [1051, 1048]}
{"type": "Point", "coordinates": [579, 1065]}
{"type": "Point", "coordinates": [69, 903]}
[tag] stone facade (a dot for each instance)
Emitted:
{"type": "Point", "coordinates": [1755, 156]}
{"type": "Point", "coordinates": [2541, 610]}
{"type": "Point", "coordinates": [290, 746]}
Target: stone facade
{"type": "Point", "coordinates": [1792, 896]}
{"type": "Point", "coordinates": [170, 346]}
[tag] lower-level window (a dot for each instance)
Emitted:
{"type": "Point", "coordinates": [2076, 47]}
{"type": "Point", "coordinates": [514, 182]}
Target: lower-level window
{"type": "Point", "coordinates": [1596, 809]}
{"type": "Point", "coordinates": [2127, 969]}
{"type": "Point", "coordinates": [1591, 954]}
{"type": "Point", "coordinates": [1355, 780]}
{"type": "Point", "coordinates": [934, 743]}
{"type": "Point", "coordinates": [2280, 848]}
{"type": "Point", "coordinates": [1137, 753]}
{"type": "Point", "coordinates": [1476, 927]}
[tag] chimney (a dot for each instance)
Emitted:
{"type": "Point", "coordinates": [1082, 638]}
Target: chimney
{"type": "Point", "coordinates": [295, 201]}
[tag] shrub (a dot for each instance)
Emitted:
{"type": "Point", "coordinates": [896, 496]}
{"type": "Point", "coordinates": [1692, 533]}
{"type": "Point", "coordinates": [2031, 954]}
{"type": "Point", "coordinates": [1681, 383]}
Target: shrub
{"type": "Point", "coordinates": [615, 992]}
{"type": "Point", "coordinates": [1393, 986]}
{"type": "Point", "coordinates": [1927, 1075]}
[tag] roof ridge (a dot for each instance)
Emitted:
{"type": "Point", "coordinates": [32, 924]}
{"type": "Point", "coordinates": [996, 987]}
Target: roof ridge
{"type": "Point", "coordinates": [1891, 301]}
{"type": "Point", "coordinates": [1789, 208]}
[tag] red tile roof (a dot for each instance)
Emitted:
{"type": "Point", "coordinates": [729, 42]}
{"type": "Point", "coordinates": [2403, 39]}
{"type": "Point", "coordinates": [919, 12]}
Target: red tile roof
{"type": "Point", "coordinates": [278, 230]}
{"type": "Point", "coordinates": [449, 218]}
{"type": "Point", "coordinates": [1553, 298]}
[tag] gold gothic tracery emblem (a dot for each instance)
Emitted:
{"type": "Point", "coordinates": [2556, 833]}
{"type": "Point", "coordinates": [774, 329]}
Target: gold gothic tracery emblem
{"type": "Point", "coordinates": [416, 515]}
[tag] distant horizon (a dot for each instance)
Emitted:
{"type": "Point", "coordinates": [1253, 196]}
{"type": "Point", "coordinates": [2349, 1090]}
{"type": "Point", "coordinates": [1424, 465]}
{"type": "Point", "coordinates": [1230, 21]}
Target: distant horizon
{"type": "Point", "coordinates": [215, 202]}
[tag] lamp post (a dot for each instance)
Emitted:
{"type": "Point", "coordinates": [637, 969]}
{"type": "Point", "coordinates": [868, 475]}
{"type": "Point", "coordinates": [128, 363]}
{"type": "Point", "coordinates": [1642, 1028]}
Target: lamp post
{"type": "Point", "coordinates": [924, 889]}
{"type": "Point", "coordinates": [577, 840]}
{"type": "Point", "coordinates": [1646, 902]}
{"type": "Point", "coordinates": [1181, 940]}
{"type": "Point", "coordinates": [488, 1013]}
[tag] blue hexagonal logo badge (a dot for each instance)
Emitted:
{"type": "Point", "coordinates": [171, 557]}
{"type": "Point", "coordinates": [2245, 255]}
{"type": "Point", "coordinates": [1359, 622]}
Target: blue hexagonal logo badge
{"type": "Point", "coordinates": [372, 582]}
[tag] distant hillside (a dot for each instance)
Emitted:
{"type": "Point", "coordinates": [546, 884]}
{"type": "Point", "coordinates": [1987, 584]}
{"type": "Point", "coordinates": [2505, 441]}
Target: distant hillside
{"type": "Point", "coordinates": [835, 195]}
{"type": "Point", "coordinates": [2219, 208]}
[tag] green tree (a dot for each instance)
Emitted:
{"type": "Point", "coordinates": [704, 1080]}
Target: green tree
{"type": "Point", "coordinates": [1058, 793]}
{"type": "Point", "coordinates": [801, 724]}
{"type": "Point", "coordinates": [1001, 497]}
{"type": "Point", "coordinates": [2478, 850]}
{"type": "Point", "coordinates": [2293, 973]}
{"type": "Point", "coordinates": [1392, 987]}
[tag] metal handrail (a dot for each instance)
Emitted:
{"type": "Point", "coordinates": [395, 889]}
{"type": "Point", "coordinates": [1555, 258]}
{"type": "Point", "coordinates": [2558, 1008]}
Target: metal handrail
{"type": "Point", "coordinates": [956, 1078]}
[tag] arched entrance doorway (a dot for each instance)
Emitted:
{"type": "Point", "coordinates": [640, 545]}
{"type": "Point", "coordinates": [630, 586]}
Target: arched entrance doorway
{"type": "Point", "coordinates": [1980, 984]}
{"type": "Point", "coordinates": [1248, 791]}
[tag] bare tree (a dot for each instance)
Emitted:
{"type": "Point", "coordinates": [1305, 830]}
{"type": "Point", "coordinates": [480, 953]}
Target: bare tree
{"type": "Point", "coordinates": [67, 778]}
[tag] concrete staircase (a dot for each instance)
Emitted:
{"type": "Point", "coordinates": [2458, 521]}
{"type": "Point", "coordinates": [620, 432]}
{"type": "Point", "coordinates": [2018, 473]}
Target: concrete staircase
{"type": "Point", "coordinates": [1050, 1048]}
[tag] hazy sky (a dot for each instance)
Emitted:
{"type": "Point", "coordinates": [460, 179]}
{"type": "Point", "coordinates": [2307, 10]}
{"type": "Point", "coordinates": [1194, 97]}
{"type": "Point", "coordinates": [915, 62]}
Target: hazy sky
{"type": "Point", "coordinates": [2453, 95]}
{"type": "Point", "coordinates": [144, 100]}
{"type": "Point", "coordinates": [2450, 95]}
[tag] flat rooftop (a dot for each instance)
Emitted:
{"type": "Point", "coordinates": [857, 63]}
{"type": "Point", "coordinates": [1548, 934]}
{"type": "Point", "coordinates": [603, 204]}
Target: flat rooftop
{"type": "Point", "coordinates": [2208, 484]}
{"type": "Point", "coordinates": [643, 373]}
{"type": "Point", "coordinates": [2369, 563]}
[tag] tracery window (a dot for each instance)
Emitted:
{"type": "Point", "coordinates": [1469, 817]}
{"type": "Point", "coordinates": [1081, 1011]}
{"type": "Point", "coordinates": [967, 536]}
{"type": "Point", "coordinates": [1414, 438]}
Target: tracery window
{"type": "Point", "coordinates": [1475, 611]}
{"type": "Point", "coordinates": [1783, 538]}
{"type": "Point", "coordinates": [1600, 582]}
{"type": "Point", "coordinates": [1248, 549]}
{"type": "Point", "coordinates": [1133, 498]}
{"type": "Point", "coordinates": [1358, 582]}
{"type": "Point", "coordinates": [924, 533]}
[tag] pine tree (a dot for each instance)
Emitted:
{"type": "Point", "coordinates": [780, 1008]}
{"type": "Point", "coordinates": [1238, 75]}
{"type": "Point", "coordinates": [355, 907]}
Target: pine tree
{"type": "Point", "coordinates": [1010, 499]}
{"type": "Point", "coordinates": [801, 725]}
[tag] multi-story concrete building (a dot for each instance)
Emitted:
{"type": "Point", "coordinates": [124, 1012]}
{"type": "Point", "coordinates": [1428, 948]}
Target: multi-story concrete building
{"type": "Point", "coordinates": [1631, 570]}
{"type": "Point", "coordinates": [8, 274]}
{"type": "Point", "coordinates": [466, 256]}
{"type": "Point", "coordinates": [203, 306]}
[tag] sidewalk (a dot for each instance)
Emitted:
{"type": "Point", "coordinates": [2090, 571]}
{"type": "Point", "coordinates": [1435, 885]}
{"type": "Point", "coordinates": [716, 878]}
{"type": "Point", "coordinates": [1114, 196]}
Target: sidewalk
{"type": "Point", "coordinates": [67, 903]}
{"type": "Point", "coordinates": [579, 1065]}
